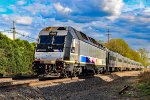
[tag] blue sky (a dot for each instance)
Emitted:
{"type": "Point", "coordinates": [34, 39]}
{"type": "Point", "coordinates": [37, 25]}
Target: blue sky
{"type": "Point", "coordinates": [127, 19]}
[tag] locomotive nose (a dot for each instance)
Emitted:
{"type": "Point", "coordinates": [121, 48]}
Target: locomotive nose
{"type": "Point", "coordinates": [51, 57]}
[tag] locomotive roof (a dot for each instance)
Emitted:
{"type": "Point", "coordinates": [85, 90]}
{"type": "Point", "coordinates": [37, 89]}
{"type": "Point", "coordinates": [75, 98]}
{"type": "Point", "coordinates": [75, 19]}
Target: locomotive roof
{"type": "Point", "coordinates": [82, 36]}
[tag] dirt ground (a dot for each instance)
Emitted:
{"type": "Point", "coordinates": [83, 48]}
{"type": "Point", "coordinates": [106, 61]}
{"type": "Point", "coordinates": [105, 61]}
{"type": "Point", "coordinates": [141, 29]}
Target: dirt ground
{"type": "Point", "coordinates": [99, 87]}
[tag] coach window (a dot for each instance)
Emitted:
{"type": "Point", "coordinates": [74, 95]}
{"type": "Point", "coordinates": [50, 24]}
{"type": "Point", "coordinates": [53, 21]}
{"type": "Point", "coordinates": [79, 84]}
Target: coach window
{"type": "Point", "coordinates": [119, 60]}
{"type": "Point", "coordinates": [110, 58]}
{"type": "Point", "coordinates": [114, 58]}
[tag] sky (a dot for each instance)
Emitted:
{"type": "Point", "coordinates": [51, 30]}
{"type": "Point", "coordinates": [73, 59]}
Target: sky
{"type": "Point", "coordinates": [126, 19]}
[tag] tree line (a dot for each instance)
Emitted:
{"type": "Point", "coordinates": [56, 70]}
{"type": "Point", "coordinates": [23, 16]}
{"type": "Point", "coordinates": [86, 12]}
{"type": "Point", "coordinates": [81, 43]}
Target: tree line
{"type": "Point", "coordinates": [16, 56]}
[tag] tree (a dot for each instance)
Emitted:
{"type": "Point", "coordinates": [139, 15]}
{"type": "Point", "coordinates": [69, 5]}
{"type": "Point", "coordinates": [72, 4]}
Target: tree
{"type": "Point", "coordinates": [120, 46]}
{"type": "Point", "coordinates": [144, 56]}
{"type": "Point", "coordinates": [135, 55]}
{"type": "Point", "coordinates": [16, 56]}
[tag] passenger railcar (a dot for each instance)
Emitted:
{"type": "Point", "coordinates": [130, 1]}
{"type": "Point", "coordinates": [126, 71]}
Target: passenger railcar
{"type": "Point", "coordinates": [118, 62]}
{"type": "Point", "coordinates": [63, 51]}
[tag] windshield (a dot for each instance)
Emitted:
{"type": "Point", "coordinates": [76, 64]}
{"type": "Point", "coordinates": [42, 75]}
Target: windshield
{"type": "Point", "coordinates": [59, 39]}
{"type": "Point", "coordinates": [46, 39]}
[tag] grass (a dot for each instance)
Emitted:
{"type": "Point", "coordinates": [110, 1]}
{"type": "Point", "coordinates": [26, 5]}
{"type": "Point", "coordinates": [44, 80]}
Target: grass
{"type": "Point", "coordinates": [145, 77]}
{"type": "Point", "coordinates": [144, 83]}
{"type": "Point", "coordinates": [140, 88]}
{"type": "Point", "coordinates": [144, 88]}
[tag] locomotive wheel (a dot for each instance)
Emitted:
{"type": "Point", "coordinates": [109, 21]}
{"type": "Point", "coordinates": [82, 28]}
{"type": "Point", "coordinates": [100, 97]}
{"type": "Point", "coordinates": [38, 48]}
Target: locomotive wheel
{"type": "Point", "coordinates": [66, 75]}
{"type": "Point", "coordinates": [74, 74]}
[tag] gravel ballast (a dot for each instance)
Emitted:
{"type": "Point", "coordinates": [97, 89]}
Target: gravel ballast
{"type": "Point", "coordinates": [94, 88]}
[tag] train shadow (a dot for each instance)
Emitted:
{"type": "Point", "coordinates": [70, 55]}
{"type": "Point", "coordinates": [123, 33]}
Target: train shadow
{"type": "Point", "coordinates": [64, 89]}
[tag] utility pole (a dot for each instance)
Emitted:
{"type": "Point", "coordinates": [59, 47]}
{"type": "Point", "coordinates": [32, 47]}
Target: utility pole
{"type": "Point", "coordinates": [14, 31]}
{"type": "Point", "coordinates": [108, 37]}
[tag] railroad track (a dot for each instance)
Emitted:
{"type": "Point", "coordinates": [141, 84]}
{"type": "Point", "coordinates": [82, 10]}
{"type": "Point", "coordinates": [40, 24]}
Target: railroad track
{"type": "Point", "coordinates": [5, 85]}
{"type": "Point", "coordinates": [5, 79]}
{"type": "Point", "coordinates": [34, 82]}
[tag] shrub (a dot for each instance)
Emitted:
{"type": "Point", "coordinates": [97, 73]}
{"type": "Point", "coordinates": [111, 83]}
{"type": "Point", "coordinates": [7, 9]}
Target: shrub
{"type": "Point", "coordinates": [145, 77]}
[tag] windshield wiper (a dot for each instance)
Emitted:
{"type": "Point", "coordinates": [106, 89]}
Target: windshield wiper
{"type": "Point", "coordinates": [58, 44]}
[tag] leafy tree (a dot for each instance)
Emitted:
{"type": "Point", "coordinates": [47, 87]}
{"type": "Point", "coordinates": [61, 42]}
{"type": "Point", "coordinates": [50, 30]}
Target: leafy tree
{"type": "Point", "coordinates": [144, 56]}
{"type": "Point", "coordinates": [16, 56]}
{"type": "Point", "coordinates": [135, 55]}
{"type": "Point", "coordinates": [119, 46]}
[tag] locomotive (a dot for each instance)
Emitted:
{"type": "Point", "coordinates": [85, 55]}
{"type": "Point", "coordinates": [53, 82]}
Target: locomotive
{"type": "Point", "coordinates": [64, 51]}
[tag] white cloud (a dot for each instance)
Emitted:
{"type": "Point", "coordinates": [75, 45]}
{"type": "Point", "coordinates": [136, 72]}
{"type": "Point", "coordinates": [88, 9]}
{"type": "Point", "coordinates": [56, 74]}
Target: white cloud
{"type": "Point", "coordinates": [145, 20]}
{"type": "Point", "coordinates": [136, 19]}
{"type": "Point", "coordinates": [146, 10]}
{"type": "Point", "coordinates": [148, 26]}
{"type": "Point", "coordinates": [21, 2]}
{"type": "Point", "coordinates": [5, 17]}
{"type": "Point", "coordinates": [129, 17]}
{"type": "Point", "coordinates": [38, 8]}
{"type": "Point", "coordinates": [112, 18]}
{"type": "Point", "coordinates": [132, 5]}
{"type": "Point", "coordinates": [138, 43]}
{"type": "Point", "coordinates": [62, 9]}
{"type": "Point", "coordinates": [112, 6]}
{"type": "Point", "coordinates": [78, 26]}
{"type": "Point", "coordinates": [13, 8]}
{"type": "Point", "coordinates": [26, 20]}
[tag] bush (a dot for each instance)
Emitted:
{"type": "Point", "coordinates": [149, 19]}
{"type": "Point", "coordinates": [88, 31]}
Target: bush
{"type": "Point", "coordinates": [16, 56]}
{"type": "Point", "coordinates": [145, 77]}
{"type": "Point", "coordinates": [144, 83]}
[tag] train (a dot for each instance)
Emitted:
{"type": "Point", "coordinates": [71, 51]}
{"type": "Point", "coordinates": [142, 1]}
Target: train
{"type": "Point", "coordinates": [65, 51]}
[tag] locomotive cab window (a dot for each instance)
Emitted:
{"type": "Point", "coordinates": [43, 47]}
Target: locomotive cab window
{"type": "Point", "coordinates": [59, 40]}
{"type": "Point", "coordinates": [45, 39]}
{"type": "Point", "coordinates": [50, 43]}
